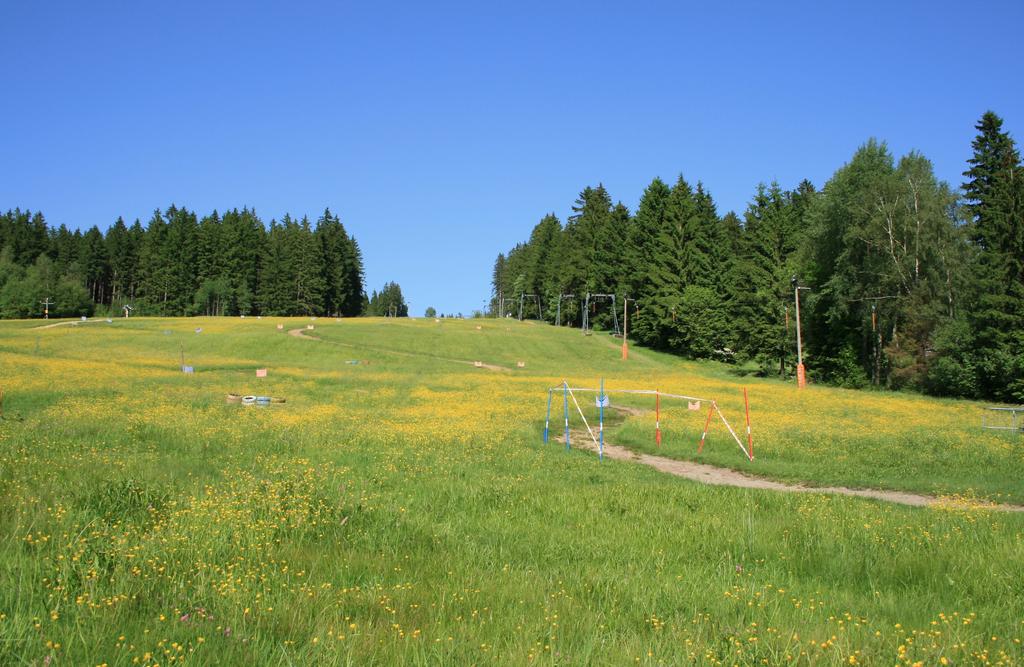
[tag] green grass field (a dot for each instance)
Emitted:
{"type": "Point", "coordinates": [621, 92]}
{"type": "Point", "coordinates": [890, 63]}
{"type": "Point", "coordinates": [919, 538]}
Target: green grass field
{"type": "Point", "coordinates": [405, 510]}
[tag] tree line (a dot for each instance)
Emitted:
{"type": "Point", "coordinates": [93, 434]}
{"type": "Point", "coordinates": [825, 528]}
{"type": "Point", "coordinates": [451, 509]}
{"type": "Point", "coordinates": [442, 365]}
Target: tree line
{"type": "Point", "coordinates": [179, 264]}
{"type": "Point", "coordinates": [912, 284]}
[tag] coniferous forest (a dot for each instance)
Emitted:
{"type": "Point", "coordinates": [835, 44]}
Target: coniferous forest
{"type": "Point", "coordinates": [911, 284]}
{"type": "Point", "coordinates": [178, 264]}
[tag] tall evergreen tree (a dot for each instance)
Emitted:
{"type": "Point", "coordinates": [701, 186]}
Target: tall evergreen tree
{"type": "Point", "coordinates": [639, 260]}
{"type": "Point", "coordinates": [497, 283]}
{"type": "Point", "coordinates": [95, 265]}
{"type": "Point", "coordinates": [274, 288]}
{"type": "Point", "coordinates": [355, 300]}
{"type": "Point", "coordinates": [123, 255]}
{"type": "Point", "coordinates": [243, 237]}
{"type": "Point", "coordinates": [994, 193]}
{"type": "Point", "coordinates": [308, 261]}
{"type": "Point", "coordinates": [154, 270]}
{"type": "Point", "coordinates": [342, 275]}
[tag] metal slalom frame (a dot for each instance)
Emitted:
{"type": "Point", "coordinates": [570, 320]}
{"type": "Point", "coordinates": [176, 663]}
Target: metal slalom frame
{"type": "Point", "coordinates": [596, 298]}
{"type": "Point", "coordinates": [602, 397]}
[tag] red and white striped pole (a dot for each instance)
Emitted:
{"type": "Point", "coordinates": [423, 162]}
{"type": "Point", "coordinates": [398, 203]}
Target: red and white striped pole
{"type": "Point", "coordinates": [707, 423]}
{"type": "Point", "coordinates": [657, 418]}
{"type": "Point", "coordinates": [750, 438]}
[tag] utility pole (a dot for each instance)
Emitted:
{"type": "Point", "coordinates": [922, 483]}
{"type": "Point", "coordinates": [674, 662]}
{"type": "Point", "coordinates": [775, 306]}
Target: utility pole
{"type": "Point", "coordinates": [625, 326]}
{"type": "Point", "coordinates": [801, 375]}
{"type": "Point", "coordinates": [46, 308]}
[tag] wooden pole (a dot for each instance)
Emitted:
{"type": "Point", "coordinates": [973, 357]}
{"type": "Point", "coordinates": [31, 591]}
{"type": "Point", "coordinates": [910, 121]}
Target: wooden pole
{"type": "Point", "coordinates": [801, 375]}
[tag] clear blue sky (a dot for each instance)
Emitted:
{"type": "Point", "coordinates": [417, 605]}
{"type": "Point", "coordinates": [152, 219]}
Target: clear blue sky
{"type": "Point", "coordinates": [441, 133]}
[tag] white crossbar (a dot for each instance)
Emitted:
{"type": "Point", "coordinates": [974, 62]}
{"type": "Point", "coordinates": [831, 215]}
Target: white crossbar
{"type": "Point", "coordinates": [648, 392]}
{"type": "Point", "coordinates": [584, 418]}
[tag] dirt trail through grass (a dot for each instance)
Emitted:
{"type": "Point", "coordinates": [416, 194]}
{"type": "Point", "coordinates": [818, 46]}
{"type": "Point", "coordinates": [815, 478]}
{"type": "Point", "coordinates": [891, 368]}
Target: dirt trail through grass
{"type": "Point", "coordinates": [301, 333]}
{"type": "Point", "coordinates": [67, 322]}
{"type": "Point", "coordinates": [708, 474]}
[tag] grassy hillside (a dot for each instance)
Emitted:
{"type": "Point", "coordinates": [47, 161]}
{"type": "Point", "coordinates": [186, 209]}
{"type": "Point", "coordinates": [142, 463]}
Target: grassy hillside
{"type": "Point", "coordinates": [405, 511]}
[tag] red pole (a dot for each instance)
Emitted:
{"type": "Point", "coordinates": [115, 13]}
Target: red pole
{"type": "Point", "coordinates": [711, 411]}
{"type": "Point", "coordinates": [750, 438]}
{"type": "Point", "coordinates": [657, 417]}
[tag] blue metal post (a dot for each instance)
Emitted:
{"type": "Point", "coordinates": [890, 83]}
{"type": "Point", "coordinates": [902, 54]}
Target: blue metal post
{"type": "Point", "coordinates": [547, 420]}
{"type": "Point", "coordinates": [565, 398]}
{"type": "Point", "coordinates": [600, 401]}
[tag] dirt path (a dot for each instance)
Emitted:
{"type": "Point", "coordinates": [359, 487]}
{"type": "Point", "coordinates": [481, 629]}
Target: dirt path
{"type": "Point", "coordinates": [62, 324]}
{"type": "Point", "coordinates": [301, 333]}
{"type": "Point", "coordinates": [708, 474]}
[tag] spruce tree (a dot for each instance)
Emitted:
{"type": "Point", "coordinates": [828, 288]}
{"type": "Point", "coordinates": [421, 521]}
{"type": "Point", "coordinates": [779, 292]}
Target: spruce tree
{"type": "Point", "coordinates": [123, 257]}
{"type": "Point", "coordinates": [641, 250]}
{"type": "Point", "coordinates": [154, 269]}
{"type": "Point", "coordinates": [995, 198]}
{"type": "Point", "coordinates": [355, 299]}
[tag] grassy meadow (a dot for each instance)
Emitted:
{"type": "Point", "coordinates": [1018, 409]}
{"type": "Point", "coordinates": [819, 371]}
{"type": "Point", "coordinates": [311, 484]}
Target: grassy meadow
{"type": "Point", "coordinates": [404, 510]}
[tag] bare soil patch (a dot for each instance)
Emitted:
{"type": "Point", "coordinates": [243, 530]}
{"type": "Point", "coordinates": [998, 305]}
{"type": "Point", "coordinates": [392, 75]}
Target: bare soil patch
{"type": "Point", "coordinates": [301, 333]}
{"type": "Point", "coordinates": [709, 474]}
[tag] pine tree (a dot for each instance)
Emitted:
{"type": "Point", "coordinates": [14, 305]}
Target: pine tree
{"type": "Point", "coordinates": [342, 275]}
{"type": "Point", "coordinates": [355, 300]}
{"type": "Point", "coordinates": [95, 265]}
{"type": "Point", "coordinates": [181, 254]}
{"type": "Point", "coordinates": [274, 287]}
{"type": "Point", "coordinates": [541, 265]}
{"type": "Point", "coordinates": [995, 199]}
{"type": "Point", "coordinates": [698, 239]}
{"type": "Point", "coordinates": [332, 239]}
{"type": "Point", "coordinates": [243, 237]}
{"type": "Point", "coordinates": [768, 258]}
{"type": "Point", "coordinates": [308, 261]}
{"type": "Point", "coordinates": [64, 248]}
{"type": "Point", "coordinates": [639, 263]}
{"type": "Point", "coordinates": [123, 257]}
{"type": "Point", "coordinates": [497, 283]}
{"type": "Point", "coordinates": [154, 270]}
{"type": "Point", "coordinates": [389, 302]}
{"type": "Point", "coordinates": [210, 249]}
{"type": "Point", "coordinates": [669, 264]}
